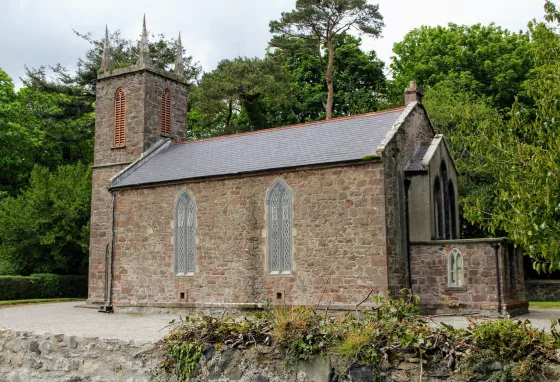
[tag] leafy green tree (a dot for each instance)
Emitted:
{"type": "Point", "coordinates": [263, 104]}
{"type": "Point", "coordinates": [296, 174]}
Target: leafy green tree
{"type": "Point", "coordinates": [239, 95]}
{"type": "Point", "coordinates": [489, 60]}
{"type": "Point", "coordinates": [358, 79]}
{"type": "Point", "coordinates": [317, 23]}
{"type": "Point", "coordinates": [45, 229]}
{"type": "Point", "coordinates": [522, 155]}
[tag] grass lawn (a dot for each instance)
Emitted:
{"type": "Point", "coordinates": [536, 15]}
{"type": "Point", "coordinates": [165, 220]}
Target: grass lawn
{"type": "Point", "coordinates": [544, 304]}
{"type": "Point", "coordinates": [39, 300]}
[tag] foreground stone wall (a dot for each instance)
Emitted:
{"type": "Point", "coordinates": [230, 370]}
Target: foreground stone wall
{"type": "Point", "coordinates": [481, 289]}
{"type": "Point", "coordinates": [26, 356]}
{"type": "Point", "coordinates": [542, 290]}
{"type": "Point", "coordinates": [338, 241]}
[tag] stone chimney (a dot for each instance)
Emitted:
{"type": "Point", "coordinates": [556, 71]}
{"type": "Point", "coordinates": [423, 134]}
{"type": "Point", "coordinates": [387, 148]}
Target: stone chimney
{"type": "Point", "coordinates": [412, 94]}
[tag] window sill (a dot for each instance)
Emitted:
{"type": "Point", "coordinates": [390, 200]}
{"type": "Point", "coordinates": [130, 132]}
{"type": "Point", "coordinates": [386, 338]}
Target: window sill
{"type": "Point", "coordinates": [180, 275]}
{"type": "Point", "coordinates": [286, 273]}
{"type": "Point", "coordinates": [118, 147]}
{"type": "Point", "coordinates": [451, 288]}
{"type": "Point", "coordinates": [165, 135]}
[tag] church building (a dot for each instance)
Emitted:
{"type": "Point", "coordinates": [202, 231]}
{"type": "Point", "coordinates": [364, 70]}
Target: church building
{"type": "Point", "coordinates": [320, 214]}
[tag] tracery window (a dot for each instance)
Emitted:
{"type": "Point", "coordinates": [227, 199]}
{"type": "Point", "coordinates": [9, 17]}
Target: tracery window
{"type": "Point", "coordinates": [120, 118]}
{"type": "Point", "coordinates": [455, 268]}
{"type": "Point", "coordinates": [165, 114]}
{"type": "Point", "coordinates": [446, 234]}
{"type": "Point", "coordinates": [279, 228]}
{"type": "Point", "coordinates": [185, 235]}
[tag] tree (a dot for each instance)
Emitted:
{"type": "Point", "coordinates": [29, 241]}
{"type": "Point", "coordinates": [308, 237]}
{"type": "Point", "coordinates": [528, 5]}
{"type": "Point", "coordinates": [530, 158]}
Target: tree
{"type": "Point", "coordinates": [318, 23]}
{"type": "Point", "coordinates": [45, 229]}
{"type": "Point", "coordinates": [238, 96]}
{"type": "Point", "coordinates": [358, 79]}
{"type": "Point", "coordinates": [489, 60]}
{"type": "Point", "coordinates": [522, 155]}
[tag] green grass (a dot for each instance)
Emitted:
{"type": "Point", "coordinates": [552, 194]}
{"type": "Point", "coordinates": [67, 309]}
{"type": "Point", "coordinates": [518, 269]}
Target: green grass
{"type": "Point", "coordinates": [544, 304]}
{"type": "Point", "coordinates": [39, 300]}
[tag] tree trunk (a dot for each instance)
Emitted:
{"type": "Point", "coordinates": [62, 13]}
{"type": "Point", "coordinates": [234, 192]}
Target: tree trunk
{"type": "Point", "coordinates": [329, 78]}
{"type": "Point", "coordinates": [229, 115]}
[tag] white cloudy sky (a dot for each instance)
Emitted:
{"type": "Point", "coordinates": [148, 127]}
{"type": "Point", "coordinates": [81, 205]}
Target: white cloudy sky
{"type": "Point", "coordinates": [39, 32]}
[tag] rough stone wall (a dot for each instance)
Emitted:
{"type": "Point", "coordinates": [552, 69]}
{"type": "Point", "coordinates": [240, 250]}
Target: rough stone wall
{"type": "Point", "coordinates": [397, 156]}
{"type": "Point", "coordinates": [338, 240]}
{"type": "Point", "coordinates": [542, 290]}
{"type": "Point", "coordinates": [143, 90]}
{"type": "Point", "coordinates": [26, 356]}
{"type": "Point", "coordinates": [429, 263]}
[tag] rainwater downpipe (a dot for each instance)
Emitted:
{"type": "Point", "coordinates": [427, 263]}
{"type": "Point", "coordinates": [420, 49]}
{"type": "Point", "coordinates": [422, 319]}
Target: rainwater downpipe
{"type": "Point", "coordinates": [110, 292]}
{"type": "Point", "coordinates": [407, 225]}
{"type": "Point", "coordinates": [498, 282]}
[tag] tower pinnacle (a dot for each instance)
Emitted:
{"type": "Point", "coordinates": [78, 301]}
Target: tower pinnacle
{"type": "Point", "coordinates": [144, 59]}
{"type": "Point", "coordinates": [178, 70]}
{"type": "Point", "coordinates": [106, 58]}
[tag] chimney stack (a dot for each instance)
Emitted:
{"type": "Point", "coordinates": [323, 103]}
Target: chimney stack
{"type": "Point", "coordinates": [412, 94]}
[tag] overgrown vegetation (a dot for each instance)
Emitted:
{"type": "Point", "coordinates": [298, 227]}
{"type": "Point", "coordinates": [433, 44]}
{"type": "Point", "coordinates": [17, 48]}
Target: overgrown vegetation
{"type": "Point", "coordinates": [502, 350]}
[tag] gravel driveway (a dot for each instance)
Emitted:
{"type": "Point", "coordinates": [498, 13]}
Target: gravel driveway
{"type": "Point", "coordinates": [66, 318]}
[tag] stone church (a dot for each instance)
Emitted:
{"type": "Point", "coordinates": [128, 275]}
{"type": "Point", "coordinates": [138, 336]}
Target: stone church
{"type": "Point", "coordinates": [320, 213]}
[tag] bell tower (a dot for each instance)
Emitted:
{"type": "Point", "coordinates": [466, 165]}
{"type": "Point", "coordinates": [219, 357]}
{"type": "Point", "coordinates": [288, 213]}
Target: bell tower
{"type": "Point", "coordinates": [136, 107]}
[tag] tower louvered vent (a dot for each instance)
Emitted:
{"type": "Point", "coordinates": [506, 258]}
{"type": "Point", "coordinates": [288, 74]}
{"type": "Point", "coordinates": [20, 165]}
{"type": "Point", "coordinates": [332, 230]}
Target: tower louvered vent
{"type": "Point", "coordinates": [165, 114]}
{"type": "Point", "coordinates": [120, 118]}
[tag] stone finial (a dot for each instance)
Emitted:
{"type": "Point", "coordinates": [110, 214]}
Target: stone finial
{"type": "Point", "coordinates": [178, 70]}
{"type": "Point", "coordinates": [412, 94]}
{"type": "Point", "coordinates": [144, 59]}
{"type": "Point", "coordinates": [106, 57]}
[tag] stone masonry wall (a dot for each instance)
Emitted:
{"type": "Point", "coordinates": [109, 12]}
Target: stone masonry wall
{"type": "Point", "coordinates": [429, 263]}
{"type": "Point", "coordinates": [26, 357]}
{"type": "Point", "coordinates": [398, 154]}
{"type": "Point", "coordinates": [543, 290]}
{"type": "Point", "coordinates": [338, 240]}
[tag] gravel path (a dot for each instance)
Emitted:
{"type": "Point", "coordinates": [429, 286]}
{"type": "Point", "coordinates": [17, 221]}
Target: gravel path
{"type": "Point", "coordinates": [66, 318]}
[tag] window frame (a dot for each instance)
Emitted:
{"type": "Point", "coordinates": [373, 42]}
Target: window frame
{"type": "Point", "coordinates": [455, 269]}
{"type": "Point", "coordinates": [186, 197]}
{"type": "Point", "coordinates": [283, 210]}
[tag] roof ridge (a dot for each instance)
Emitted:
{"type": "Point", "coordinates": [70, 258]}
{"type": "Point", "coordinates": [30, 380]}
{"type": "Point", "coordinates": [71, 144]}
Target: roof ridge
{"type": "Point", "coordinates": [298, 125]}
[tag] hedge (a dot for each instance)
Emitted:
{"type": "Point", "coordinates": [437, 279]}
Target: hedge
{"type": "Point", "coordinates": [42, 285]}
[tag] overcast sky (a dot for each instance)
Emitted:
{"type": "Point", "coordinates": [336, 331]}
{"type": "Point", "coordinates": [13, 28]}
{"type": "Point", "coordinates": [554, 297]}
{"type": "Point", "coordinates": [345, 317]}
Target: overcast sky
{"type": "Point", "coordinates": [39, 32]}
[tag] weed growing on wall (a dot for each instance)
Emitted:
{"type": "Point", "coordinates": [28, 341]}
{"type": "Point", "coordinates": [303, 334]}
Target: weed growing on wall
{"type": "Point", "coordinates": [499, 350]}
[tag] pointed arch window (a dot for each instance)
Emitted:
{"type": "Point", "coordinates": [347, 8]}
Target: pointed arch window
{"type": "Point", "coordinates": [447, 234]}
{"type": "Point", "coordinates": [452, 208]}
{"type": "Point", "coordinates": [438, 210]}
{"type": "Point", "coordinates": [185, 235]}
{"type": "Point", "coordinates": [455, 268]}
{"type": "Point", "coordinates": [165, 114]}
{"type": "Point", "coordinates": [120, 119]}
{"type": "Point", "coordinates": [279, 228]}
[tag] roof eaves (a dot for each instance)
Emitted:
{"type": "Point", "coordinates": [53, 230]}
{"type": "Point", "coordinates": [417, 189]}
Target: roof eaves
{"type": "Point", "coordinates": [146, 156]}
{"type": "Point", "coordinates": [396, 126]}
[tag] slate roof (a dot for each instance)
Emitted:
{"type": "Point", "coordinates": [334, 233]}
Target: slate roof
{"type": "Point", "coordinates": [336, 140]}
{"type": "Point", "coordinates": [416, 162]}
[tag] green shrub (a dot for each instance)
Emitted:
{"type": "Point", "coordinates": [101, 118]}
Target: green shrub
{"type": "Point", "coordinates": [42, 286]}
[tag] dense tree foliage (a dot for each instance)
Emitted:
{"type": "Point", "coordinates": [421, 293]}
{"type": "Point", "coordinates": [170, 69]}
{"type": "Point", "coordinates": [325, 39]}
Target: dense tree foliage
{"type": "Point", "coordinates": [490, 61]}
{"type": "Point", "coordinates": [45, 229]}
{"type": "Point", "coordinates": [317, 23]}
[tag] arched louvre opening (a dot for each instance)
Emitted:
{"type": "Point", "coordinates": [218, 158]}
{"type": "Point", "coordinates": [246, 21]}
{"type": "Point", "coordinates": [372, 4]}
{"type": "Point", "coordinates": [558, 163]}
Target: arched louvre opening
{"type": "Point", "coordinates": [119, 138]}
{"type": "Point", "coordinates": [185, 235]}
{"type": "Point", "coordinates": [165, 114]}
{"type": "Point", "coordinates": [279, 228]}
